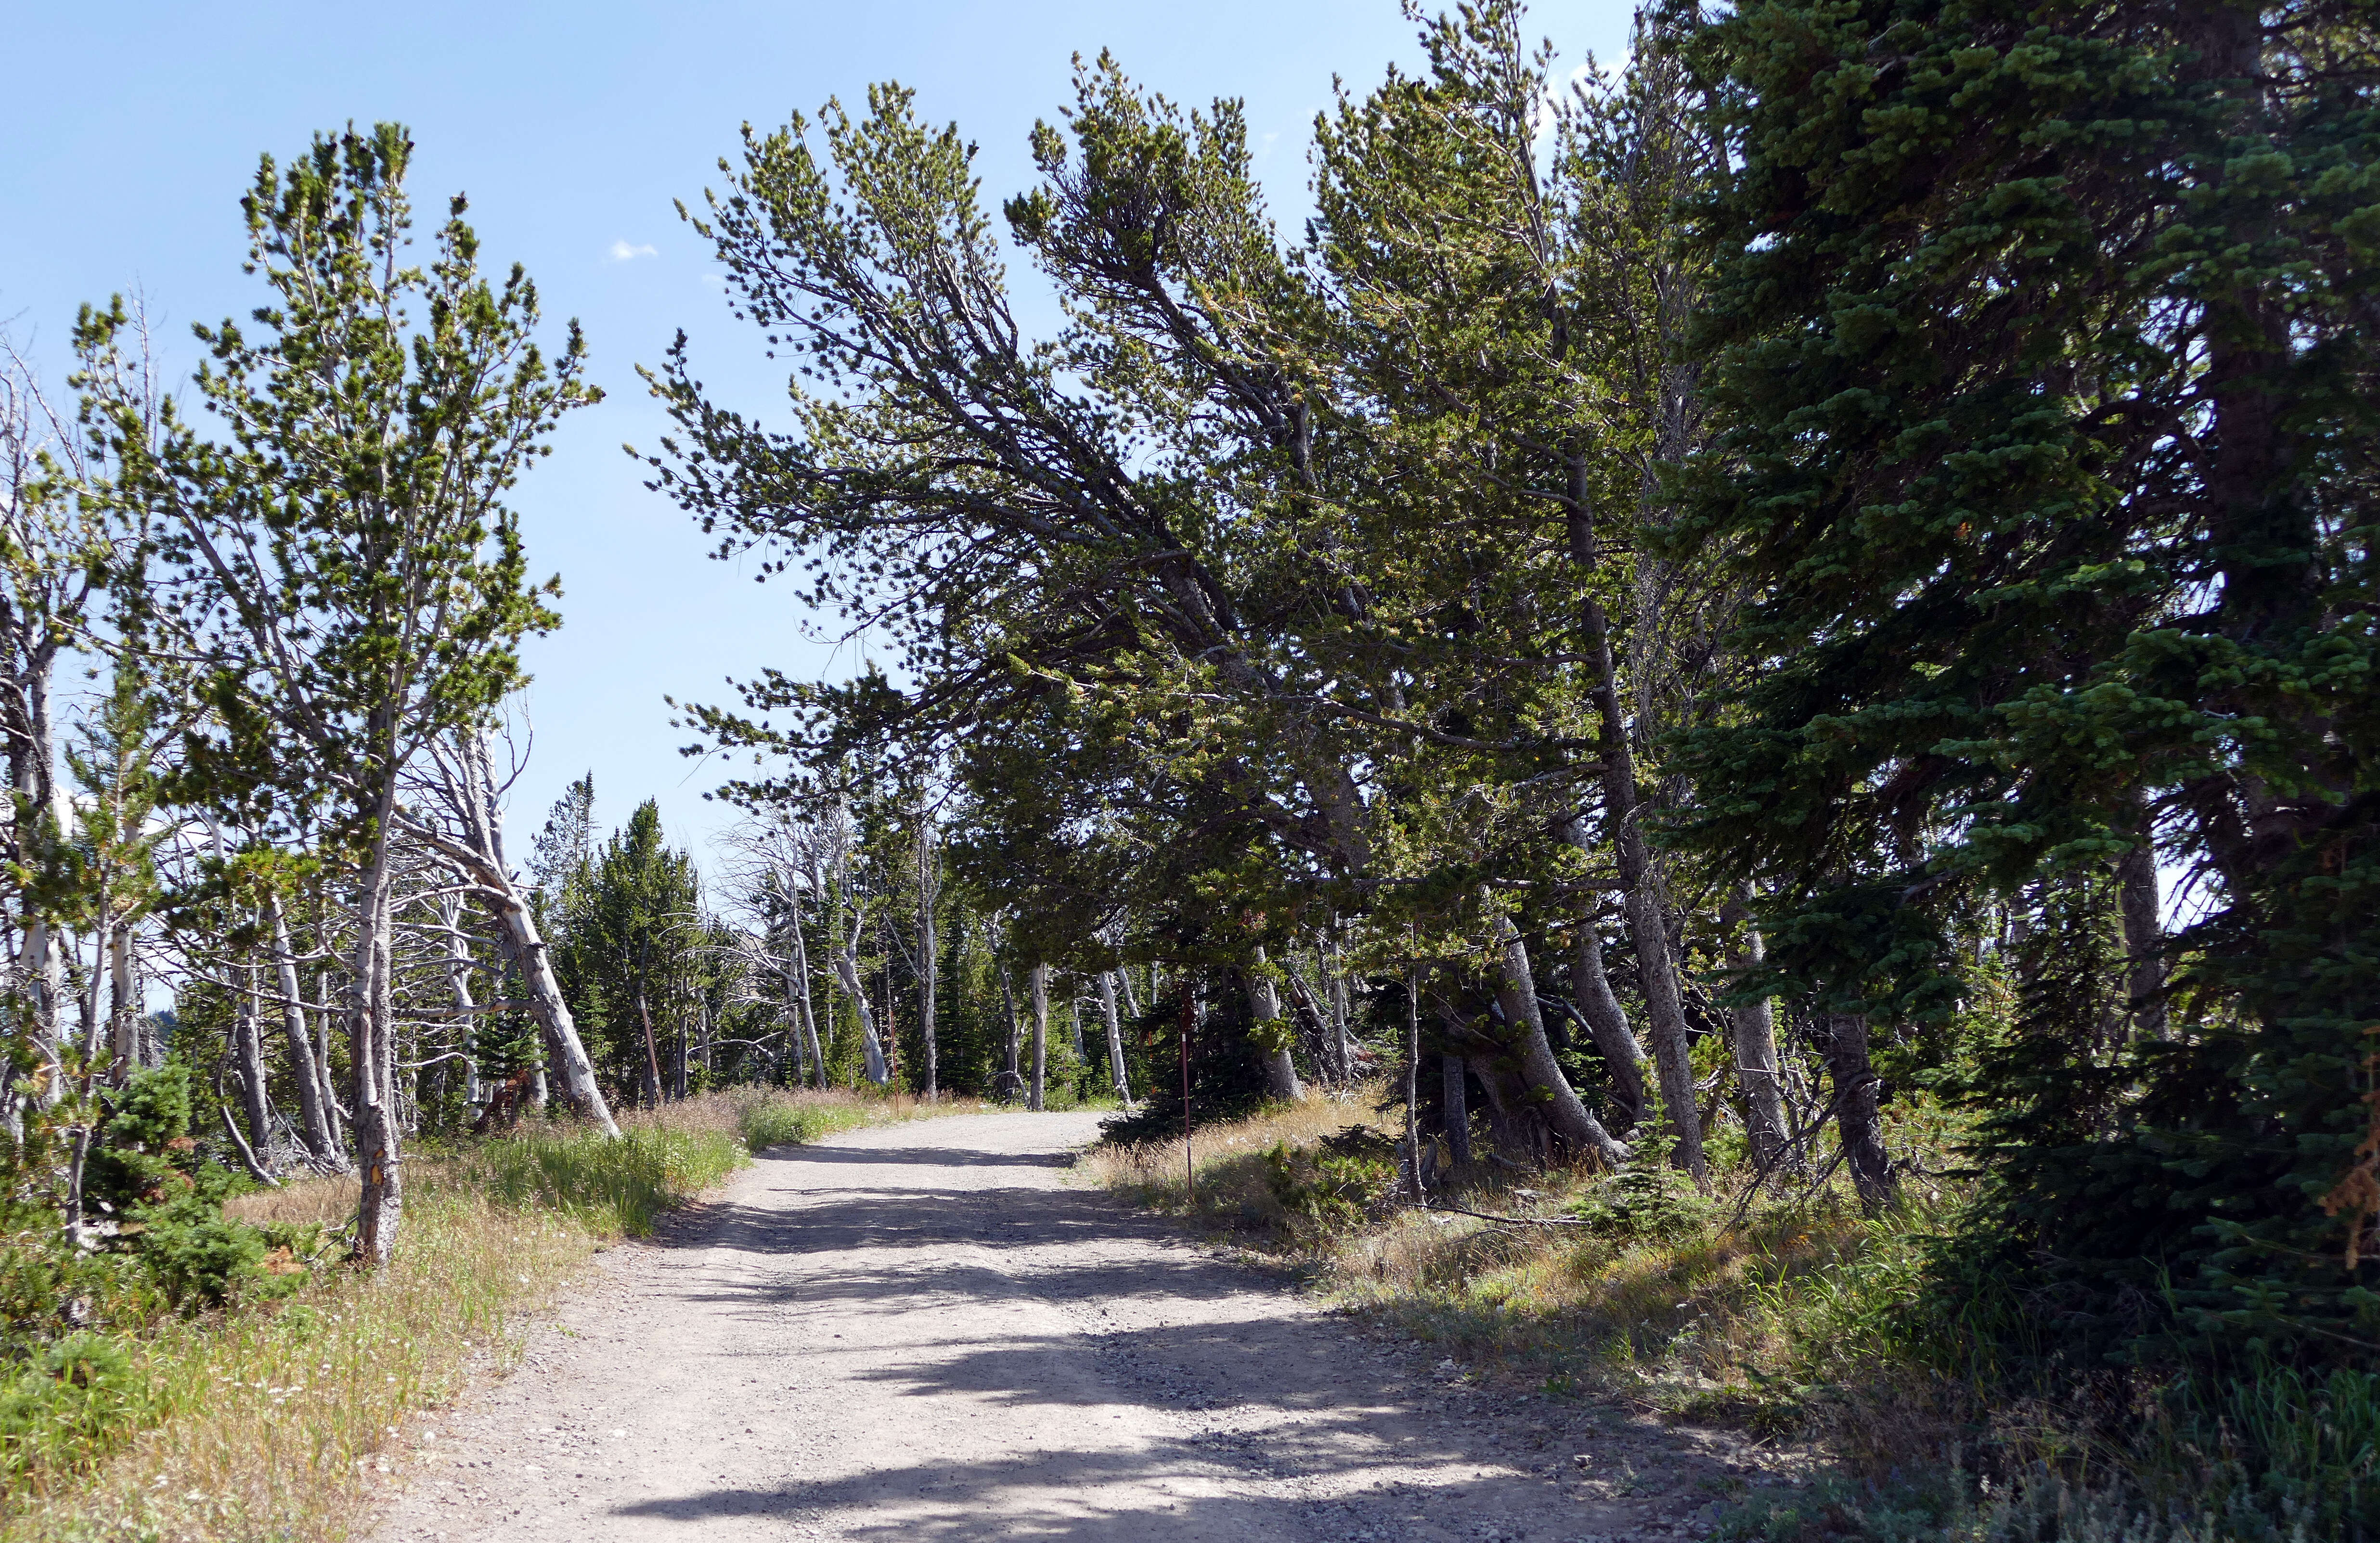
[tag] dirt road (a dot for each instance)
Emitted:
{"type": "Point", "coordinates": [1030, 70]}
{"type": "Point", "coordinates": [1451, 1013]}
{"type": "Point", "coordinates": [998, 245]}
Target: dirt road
{"type": "Point", "coordinates": [921, 1333]}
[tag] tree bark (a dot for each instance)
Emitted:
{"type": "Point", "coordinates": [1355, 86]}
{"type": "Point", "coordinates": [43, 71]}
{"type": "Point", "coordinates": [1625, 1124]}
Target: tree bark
{"type": "Point", "coordinates": [458, 986]}
{"type": "Point", "coordinates": [124, 1006]}
{"type": "Point", "coordinates": [379, 1139]}
{"type": "Point", "coordinates": [1011, 1081]}
{"type": "Point", "coordinates": [1517, 995]}
{"type": "Point", "coordinates": [1857, 1119]}
{"type": "Point", "coordinates": [846, 968]}
{"type": "Point", "coordinates": [331, 1111]}
{"type": "Point", "coordinates": [1346, 1042]}
{"type": "Point", "coordinates": [248, 1065]}
{"type": "Point", "coordinates": [464, 788]}
{"type": "Point", "coordinates": [1115, 1039]}
{"type": "Point", "coordinates": [1038, 979]}
{"type": "Point", "coordinates": [1754, 1029]}
{"type": "Point", "coordinates": [1264, 1005]}
{"type": "Point", "coordinates": [1657, 970]}
{"type": "Point", "coordinates": [809, 1012]}
{"type": "Point", "coordinates": [313, 1119]}
{"type": "Point", "coordinates": [1607, 1022]}
{"type": "Point", "coordinates": [1450, 1070]}
{"type": "Point", "coordinates": [928, 963]}
{"type": "Point", "coordinates": [652, 1049]}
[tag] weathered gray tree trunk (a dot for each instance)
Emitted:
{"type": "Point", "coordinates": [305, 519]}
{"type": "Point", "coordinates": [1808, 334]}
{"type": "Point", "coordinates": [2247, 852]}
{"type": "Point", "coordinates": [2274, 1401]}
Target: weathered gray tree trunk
{"type": "Point", "coordinates": [370, 1039]}
{"type": "Point", "coordinates": [1336, 966]}
{"type": "Point", "coordinates": [808, 1012]}
{"type": "Point", "coordinates": [1011, 1081]}
{"type": "Point", "coordinates": [1038, 981]}
{"type": "Point", "coordinates": [458, 986]}
{"type": "Point", "coordinates": [333, 1110]}
{"type": "Point", "coordinates": [465, 786]}
{"type": "Point", "coordinates": [1116, 1078]}
{"type": "Point", "coordinates": [1264, 1005]}
{"type": "Point", "coordinates": [1607, 1021]}
{"type": "Point", "coordinates": [1517, 995]}
{"type": "Point", "coordinates": [1754, 1029]}
{"type": "Point", "coordinates": [846, 967]}
{"type": "Point", "coordinates": [1857, 1117]}
{"type": "Point", "coordinates": [124, 1006]}
{"type": "Point", "coordinates": [313, 1120]}
{"type": "Point", "coordinates": [930, 963]}
{"type": "Point", "coordinates": [248, 1066]}
{"type": "Point", "coordinates": [1641, 901]}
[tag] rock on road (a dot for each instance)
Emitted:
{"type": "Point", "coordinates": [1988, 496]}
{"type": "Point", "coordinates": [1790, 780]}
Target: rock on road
{"type": "Point", "coordinates": [921, 1333]}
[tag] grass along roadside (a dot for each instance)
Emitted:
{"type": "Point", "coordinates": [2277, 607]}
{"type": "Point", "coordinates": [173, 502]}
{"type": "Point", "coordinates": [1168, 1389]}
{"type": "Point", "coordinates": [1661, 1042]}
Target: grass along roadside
{"type": "Point", "coordinates": [1806, 1322]}
{"type": "Point", "coordinates": [269, 1421]}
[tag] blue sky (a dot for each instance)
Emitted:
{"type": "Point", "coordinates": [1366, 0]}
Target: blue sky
{"type": "Point", "coordinates": [134, 129]}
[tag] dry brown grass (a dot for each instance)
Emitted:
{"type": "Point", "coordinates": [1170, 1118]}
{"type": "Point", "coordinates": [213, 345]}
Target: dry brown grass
{"type": "Point", "coordinates": [1234, 1192]}
{"type": "Point", "coordinates": [1735, 1321]}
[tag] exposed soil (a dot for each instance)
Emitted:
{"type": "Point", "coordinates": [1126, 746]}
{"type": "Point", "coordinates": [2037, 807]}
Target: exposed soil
{"type": "Point", "coordinates": [921, 1333]}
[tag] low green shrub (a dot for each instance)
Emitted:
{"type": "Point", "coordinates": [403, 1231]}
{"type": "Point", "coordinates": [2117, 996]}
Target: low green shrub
{"type": "Point", "coordinates": [1335, 1184]}
{"type": "Point", "coordinates": [77, 1400]}
{"type": "Point", "coordinates": [1645, 1203]}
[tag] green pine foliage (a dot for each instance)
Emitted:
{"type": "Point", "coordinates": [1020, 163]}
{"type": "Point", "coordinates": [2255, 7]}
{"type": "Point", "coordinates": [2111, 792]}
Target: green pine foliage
{"type": "Point", "coordinates": [2041, 343]}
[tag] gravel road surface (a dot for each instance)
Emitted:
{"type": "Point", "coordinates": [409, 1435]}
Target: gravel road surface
{"type": "Point", "coordinates": [921, 1333]}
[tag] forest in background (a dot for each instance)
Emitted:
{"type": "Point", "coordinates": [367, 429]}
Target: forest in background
{"type": "Point", "coordinates": [1786, 620]}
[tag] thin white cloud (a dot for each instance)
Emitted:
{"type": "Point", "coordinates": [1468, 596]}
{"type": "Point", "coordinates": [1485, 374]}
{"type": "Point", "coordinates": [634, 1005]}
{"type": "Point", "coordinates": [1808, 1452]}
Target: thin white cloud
{"type": "Point", "coordinates": [623, 252]}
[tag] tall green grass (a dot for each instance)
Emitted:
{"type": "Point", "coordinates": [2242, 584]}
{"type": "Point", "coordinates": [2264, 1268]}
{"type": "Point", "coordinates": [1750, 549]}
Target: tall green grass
{"type": "Point", "coordinates": [616, 1189]}
{"type": "Point", "coordinates": [761, 1123]}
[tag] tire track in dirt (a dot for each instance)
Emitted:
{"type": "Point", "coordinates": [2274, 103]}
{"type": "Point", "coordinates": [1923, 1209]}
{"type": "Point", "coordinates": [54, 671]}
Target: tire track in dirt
{"type": "Point", "coordinates": [920, 1332]}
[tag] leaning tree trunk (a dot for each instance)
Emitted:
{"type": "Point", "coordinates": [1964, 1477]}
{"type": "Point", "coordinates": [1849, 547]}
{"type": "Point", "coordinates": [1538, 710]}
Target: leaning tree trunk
{"type": "Point", "coordinates": [809, 1012]}
{"type": "Point", "coordinates": [458, 986]}
{"type": "Point", "coordinates": [1264, 1005]}
{"type": "Point", "coordinates": [1607, 1022]}
{"type": "Point", "coordinates": [847, 967]}
{"type": "Point", "coordinates": [1857, 1116]}
{"type": "Point", "coordinates": [796, 988]}
{"type": "Point", "coordinates": [480, 856]}
{"type": "Point", "coordinates": [1657, 970]}
{"type": "Point", "coordinates": [1116, 1076]}
{"type": "Point", "coordinates": [314, 1123]}
{"type": "Point", "coordinates": [333, 1111]}
{"type": "Point", "coordinates": [248, 1065]}
{"type": "Point", "coordinates": [1038, 979]}
{"type": "Point", "coordinates": [1330, 1042]}
{"type": "Point", "coordinates": [1517, 995]}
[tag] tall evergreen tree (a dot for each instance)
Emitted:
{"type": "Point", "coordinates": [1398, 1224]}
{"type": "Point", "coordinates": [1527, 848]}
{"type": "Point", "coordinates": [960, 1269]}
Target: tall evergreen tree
{"type": "Point", "coordinates": [2044, 340]}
